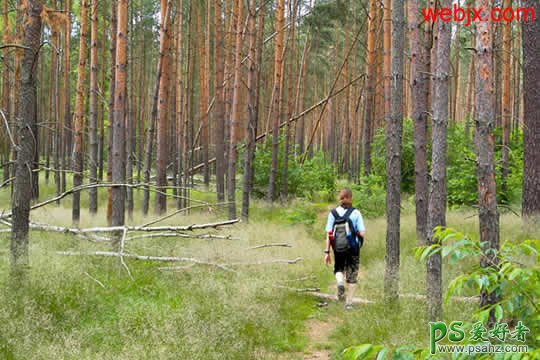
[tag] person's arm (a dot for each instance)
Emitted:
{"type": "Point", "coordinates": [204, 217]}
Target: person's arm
{"type": "Point", "coordinates": [328, 228]}
{"type": "Point", "coordinates": [361, 229]}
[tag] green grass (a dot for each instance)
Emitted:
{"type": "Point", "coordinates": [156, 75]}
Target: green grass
{"type": "Point", "coordinates": [60, 311]}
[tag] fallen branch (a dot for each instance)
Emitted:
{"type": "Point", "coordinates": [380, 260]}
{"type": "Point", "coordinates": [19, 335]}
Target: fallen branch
{"type": "Point", "coordinates": [187, 236]}
{"type": "Point", "coordinates": [299, 290]}
{"type": "Point", "coordinates": [357, 301]}
{"type": "Point", "coordinates": [269, 262]}
{"type": "Point", "coordinates": [455, 298]}
{"type": "Point", "coordinates": [165, 217]}
{"type": "Point", "coordinates": [122, 243]}
{"type": "Point", "coordinates": [151, 187]}
{"type": "Point", "coordinates": [132, 228]}
{"type": "Point", "coordinates": [143, 257]}
{"type": "Point", "coordinates": [269, 245]}
{"type": "Point", "coordinates": [96, 280]}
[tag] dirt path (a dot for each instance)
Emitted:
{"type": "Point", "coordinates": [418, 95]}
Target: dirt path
{"type": "Point", "coordinates": [318, 334]}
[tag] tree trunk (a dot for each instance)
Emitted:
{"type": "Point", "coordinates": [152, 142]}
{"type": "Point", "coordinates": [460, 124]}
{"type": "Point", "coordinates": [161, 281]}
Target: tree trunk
{"type": "Point", "coordinates": [26, 121]}
{"type": "Point", "coordinates": [204, 81]}
{"type": "Point", "coordinates": [93, 139]}
{"type": "Point", "coordinates": [219, 115]}
{"type": "Point", "coordinates": [5, 105]}
{"type": "Point", "coordinates": [235, 114]}
{"type": "Point", "coordinates": [371, 79]}
{"type": "Point", "coordinates": [437, 197]}
{"type": "Point", "coordinates": [112, 93]}
{"type": "Point", "coordinates": [531, 115]}
{"type": "Point", "coordinates": [293, 7]}
{"type": "Point", "coordinates": [162, 124]}
{"type": "Point", "coordinates": [119, 115]}
{"type": "Point", "coordinates": [420, 90]}
{"type": "Point", "coordinates": [394, 129]}
{"type": "Point", "coordinates": [79, 114]}
{"type": "Point", "coordinates": [253, 101]}
{"type": "Point", "coordinates": [180, 105]}
{"type": "Point", "coordinates": [67, 151]}
{"type": "Point", "coordinates": [485, 105]}
{"type": "Point", "coordinates": [505, 104]}
{"type": "Point", "coordinates": [278, 67]}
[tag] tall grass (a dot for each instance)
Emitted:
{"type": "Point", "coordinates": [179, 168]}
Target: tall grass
{"type": "Point", "coordinates": [89, 308]}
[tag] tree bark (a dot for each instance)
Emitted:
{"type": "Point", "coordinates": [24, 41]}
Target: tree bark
{"type": "Point", "coordinates": [235, 114]}
{"type": "Point", "coordinates": [93, 123]}
{"type": "Point", "coordinates": [394, 130]}
{"type": "Point", "coordinates": [485, 105]}
{"type": "Point", "coordinates": [437, 197]}
{"type": "Point", "coordinates": [278, 73]}
{"type": "Point", "coordinates": [162, 124]}
{"type": "Point", "coordinates": [6, 104]}
{"type": "Point", "coordinates": [420, 90]}
{"type": "Point", "coordinates": [79, 114]}
{"type": "Point", "coordinates": [253, 100]}
{"type": "Point", "coordinates": [219, 115]}
{"type": "Point", "coordinates": [531, 115]}
{"type": "Point", "coordinates": [371, 79]}
{"type": "Point", "coordinates": [119, 115]}
{"type": "Point", "coordinates": [26, 121]}
{"type": "Point", "coordinates": [112, 92]}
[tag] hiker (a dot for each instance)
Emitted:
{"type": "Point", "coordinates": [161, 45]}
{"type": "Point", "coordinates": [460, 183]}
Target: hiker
{"type": "Point", "coordinates": [345, 233]}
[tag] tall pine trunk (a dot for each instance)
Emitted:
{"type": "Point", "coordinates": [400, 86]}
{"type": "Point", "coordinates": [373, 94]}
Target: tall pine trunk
{"type": "Point", "coordinates": [531, 115]}
{"type": "Point", "coordinates": [119, 115]}
{"type": "Point", "coordinates": [278, 73]}
{"type": "Point", "coordinates": [93, 139]}
{"type": "Point", "coordinates": [420, 90]}
{"type": "Point", "coordinates": [26, 121]}
{"type": "Point", "coordinates": [253, 101]}
{"type": "Point", "coordinates": [485, 105]}
{"type": "Point", "coordinates": [437, 197]}
{"type": "Point", "coordinates": [162, 123]}
{"type": "Point", "coordinates": [235, 113]}
{"type": "Point", "coordinates": [79, 114]}
{"type": "Point", "coordinates": [394, 129]}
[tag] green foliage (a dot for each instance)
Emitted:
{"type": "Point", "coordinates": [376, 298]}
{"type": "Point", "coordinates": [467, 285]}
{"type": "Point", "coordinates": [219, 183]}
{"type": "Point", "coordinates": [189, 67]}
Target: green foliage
{"type": "Point", "coordinates": [302, 213]}
{"type": "Point", "coordinates": [461, 165]}
{"type": "Point", "coordinates": [370, 196]}
{"type": "Point", "coordinates": [378, 156]}
{"type": "Point", "coordinates": [315, 176]}
{"type": "Point", "coordinates": [514, 280]}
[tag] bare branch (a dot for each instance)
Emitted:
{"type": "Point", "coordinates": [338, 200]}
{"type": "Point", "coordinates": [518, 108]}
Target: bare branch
{"type": "Point", "coordinates": [269, 245]}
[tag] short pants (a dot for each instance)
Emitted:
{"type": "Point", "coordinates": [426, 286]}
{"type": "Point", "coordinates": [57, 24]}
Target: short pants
{"type": "Point", "coordinates": [347, 262]}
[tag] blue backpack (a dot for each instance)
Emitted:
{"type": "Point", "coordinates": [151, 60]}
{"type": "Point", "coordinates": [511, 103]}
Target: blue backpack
{"type": "Point", "coordinates": [345, 237]}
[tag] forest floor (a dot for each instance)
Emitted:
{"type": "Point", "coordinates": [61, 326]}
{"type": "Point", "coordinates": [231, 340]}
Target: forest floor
{"type": "Point", "coordinates": [90, 308]}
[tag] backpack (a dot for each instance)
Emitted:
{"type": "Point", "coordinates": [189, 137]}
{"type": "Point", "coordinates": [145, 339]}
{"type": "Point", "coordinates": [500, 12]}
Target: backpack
{"type": "Point", "coordinates": [344, 232]}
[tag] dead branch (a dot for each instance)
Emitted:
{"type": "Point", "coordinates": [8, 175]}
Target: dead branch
{"type": "Point", "coordinates": [269, 245]}
{"type": "Point", "coordinates": [269, 262]}
{"type": "Point", "coordinates": [133, 228]}
{"type": "Point", "coordinates": [96, 280]}
{"type": "Point", "coordinates": [152, 188]}
{"type": "Point", "coordinates": [143, 257]}
{"type": "Point", "coordinates": [355, 301]}
{"type": "Point", "coordinates": [165, 217]}
{"type": "Point", "coordinates": [455, 298]}
{"type": "Point", "coordinates": [122, 243]}
{"type": "Point", "coordinates": [8, 130]}
{"type": "Point", "coordinates": [299, 290]}
{"type": "Point", "coordinates": [175, 234]}
{"type": "Point", "coordinates": [14, 46]}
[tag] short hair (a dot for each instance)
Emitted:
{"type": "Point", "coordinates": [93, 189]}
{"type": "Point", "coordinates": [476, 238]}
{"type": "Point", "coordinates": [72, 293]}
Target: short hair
{"type": "Point", "coordinates": [347, 192]}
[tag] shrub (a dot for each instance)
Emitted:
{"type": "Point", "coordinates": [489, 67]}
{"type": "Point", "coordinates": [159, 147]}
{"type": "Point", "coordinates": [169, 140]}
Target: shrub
{"type": "Point", "coordinates": [315, 176]}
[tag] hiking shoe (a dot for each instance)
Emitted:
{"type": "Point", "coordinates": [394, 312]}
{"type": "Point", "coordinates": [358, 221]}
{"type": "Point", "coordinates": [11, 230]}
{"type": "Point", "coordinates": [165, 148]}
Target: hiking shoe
{"type": "Point", "coordinates": [348, 307]}
{"type": "Point", "coordinates": [341, 293]}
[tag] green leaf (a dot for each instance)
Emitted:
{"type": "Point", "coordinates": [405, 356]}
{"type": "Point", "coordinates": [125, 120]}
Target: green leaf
{"type": "Point", "coordinates": [498, 312]}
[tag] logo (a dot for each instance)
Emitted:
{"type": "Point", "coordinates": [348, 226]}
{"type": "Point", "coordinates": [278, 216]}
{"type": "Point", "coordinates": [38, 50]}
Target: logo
{"type": "Point", "coordinates": [480, 340]}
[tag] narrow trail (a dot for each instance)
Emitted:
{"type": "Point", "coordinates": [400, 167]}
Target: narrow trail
{"type": "Point", "coordinates": [318, 333]}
